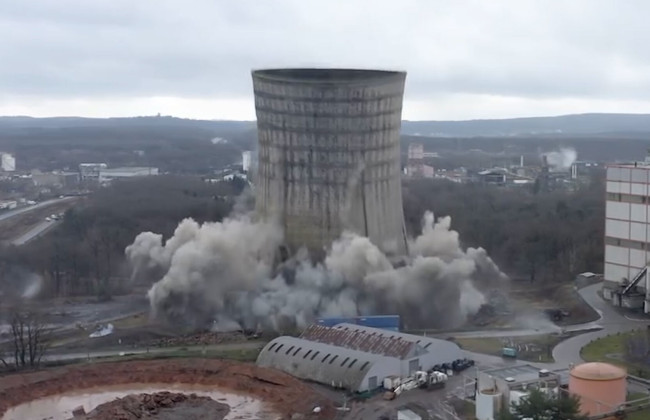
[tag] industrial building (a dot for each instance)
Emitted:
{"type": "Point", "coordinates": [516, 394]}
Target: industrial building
{"type": "Point", "coordinates": [600, 387]}
{"type": "Point", "coordinates": [627, 224]}
{"type": "Point", "coordinates": [246, 160]}
{"type": "Point", "coordinates": [90, 171]}
{"type": "Point", "coordinates": [415, 166]}
{"type": "Point", "coordinates": [107, 175]}
{"type": "Point", "coordinates": [7, 162]}
{"type": "Point", "coordinates": [329, 155]}
{"type": "Point", "coordinates": [498, 389]}
{"type": "Point", "coordinates": [354, 357]}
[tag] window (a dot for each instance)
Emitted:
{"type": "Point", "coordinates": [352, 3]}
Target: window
{"type": "Point", "coordinates": [325, 358]}
{"type": "Point", "coordinates": [306, 354]}
{"type": "Point", "coordinates": [427, 346]}
{"type": "Point", "coordinates": [272, 345]}
{"type": "Point", "coordinates": [315, 354]}
{"type": "Point", "coordinates": [352, 363]}
{"type": "Point", "coordinates": [333, 359]}
{"type": "Point", "coordinates": [279, 347]}
{"type": "Point", "coordinates": [363, 366]}
{"type": "Point", "coordinates": [345, 361]}
{"type": "Point", "coordinates": [297, 350]}
{"type": "Point", "coordinates": [289, 349]}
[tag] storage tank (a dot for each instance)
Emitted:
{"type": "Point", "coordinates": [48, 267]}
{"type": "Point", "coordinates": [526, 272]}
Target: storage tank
{"type": "Point", "coordinates": [488, 403]}
{"type": "Point", "coordinates": [601, 387]}
{"type": "Point", "coordinates": [329, 155]}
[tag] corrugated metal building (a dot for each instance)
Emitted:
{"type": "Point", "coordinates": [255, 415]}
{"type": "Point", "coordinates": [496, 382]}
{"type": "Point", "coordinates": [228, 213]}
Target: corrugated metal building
{"type": "Point", "coordinates": [354, 357]}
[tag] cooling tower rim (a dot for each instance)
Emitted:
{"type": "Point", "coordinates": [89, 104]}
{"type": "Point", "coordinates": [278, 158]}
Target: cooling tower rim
{"type": "Point", "coordinates": [328, 76]}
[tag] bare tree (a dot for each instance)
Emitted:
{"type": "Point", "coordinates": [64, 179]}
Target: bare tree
{"type": "Point", "coordinates": [30, 339]}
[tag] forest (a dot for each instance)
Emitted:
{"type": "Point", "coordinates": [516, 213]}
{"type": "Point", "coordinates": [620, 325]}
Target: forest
{"type": "Point", "coordinates": [84, 255]}
{"type": "Point", "coordinates": [542, 237]}
{"type": "Point", "coordinates": [548, 237]}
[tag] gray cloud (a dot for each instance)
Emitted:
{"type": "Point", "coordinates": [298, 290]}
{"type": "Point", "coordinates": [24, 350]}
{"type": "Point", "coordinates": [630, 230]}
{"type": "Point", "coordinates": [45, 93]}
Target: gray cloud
{"type": "Point", "coordinates": [536, 50]}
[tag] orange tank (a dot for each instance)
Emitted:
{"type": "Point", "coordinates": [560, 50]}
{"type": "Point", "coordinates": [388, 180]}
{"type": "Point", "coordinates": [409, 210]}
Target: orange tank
{"type": "Point", "coordinates": [601, 387]}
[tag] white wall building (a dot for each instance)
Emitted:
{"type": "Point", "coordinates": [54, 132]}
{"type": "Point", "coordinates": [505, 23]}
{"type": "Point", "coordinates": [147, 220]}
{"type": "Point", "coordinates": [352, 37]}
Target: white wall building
{"type": "Point", "coordinates": [246, 160]}
{"type": "Point", "coordinates": [627, 235]}
{"type": "Point", "coordinates": [7, 162]}
{"type": "Point", "coordinates": [107, 175]}
{"type": "Point", "coordinates": [90, 171]}
{"type": "Point", "coordinates": [415, 151]}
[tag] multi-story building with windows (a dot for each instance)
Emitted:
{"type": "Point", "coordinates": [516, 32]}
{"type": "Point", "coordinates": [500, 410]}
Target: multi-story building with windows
{"type": "Point", "coordinates": [627, 235]}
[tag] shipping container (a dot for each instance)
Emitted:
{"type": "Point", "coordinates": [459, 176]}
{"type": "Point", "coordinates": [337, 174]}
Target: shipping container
{"type": "Point", "coordinates": [380, 321]}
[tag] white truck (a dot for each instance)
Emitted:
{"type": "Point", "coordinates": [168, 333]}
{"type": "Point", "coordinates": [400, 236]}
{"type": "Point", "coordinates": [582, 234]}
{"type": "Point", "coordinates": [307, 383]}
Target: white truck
{"type": "Point", "coordinates": [431, 380]}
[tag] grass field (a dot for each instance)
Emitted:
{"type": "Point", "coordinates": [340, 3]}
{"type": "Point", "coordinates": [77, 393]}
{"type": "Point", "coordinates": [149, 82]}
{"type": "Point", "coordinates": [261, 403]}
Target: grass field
{"type": "Point", "coordinates": [532, 348]}
{"type": "Point", "coordinates": [639, 415]}
{"type": "Point", "coordinates": [611, 349]}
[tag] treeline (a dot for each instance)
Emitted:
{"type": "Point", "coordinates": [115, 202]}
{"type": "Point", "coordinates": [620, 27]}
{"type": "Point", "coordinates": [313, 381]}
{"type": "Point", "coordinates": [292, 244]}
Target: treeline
{"type": "Point", "coordinates": [179, 150]}
{"type": "Point", "coordinates": [550, 236]}
{"type": "Point", "coordinates": [539, 237]}
{"type": "Point", "coordinates": [84, 255]}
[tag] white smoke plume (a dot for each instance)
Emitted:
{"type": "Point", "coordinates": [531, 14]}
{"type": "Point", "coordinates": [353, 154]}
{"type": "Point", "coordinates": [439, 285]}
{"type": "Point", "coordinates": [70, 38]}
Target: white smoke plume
{"type": "Point", "coordinates": [222, 274]}
{"type": "Point", "coordinates": [562, 159]}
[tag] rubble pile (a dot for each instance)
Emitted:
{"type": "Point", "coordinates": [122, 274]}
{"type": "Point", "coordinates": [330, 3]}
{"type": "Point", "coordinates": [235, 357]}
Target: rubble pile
{"type": "Point", "coordinates": [160, 405]}
{"type": "Point", "coordinates": [282, 393]}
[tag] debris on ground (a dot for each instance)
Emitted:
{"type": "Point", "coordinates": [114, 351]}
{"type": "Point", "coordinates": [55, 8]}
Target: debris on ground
{"type": "Point", "coordinates": [102, 331]}
{"type": "Point", "coordinates": [284, 394]}
{"type": "Point", "coordinates": [162, 406]}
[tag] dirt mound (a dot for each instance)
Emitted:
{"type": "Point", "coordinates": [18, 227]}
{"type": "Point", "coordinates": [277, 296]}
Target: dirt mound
{"type": "Point", "coordinates": [283, 393]}
{"type": "Point", "coordinates": [160, 406]}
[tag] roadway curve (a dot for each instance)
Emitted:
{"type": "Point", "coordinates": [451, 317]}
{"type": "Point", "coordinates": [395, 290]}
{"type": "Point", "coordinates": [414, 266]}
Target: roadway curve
{"type": "Point", "coordinates": [611, 321]}
{"type": "Point", "coordinates": [567, 351]}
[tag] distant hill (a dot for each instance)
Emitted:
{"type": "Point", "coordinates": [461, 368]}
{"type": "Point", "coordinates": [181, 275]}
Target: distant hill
{"type": "Point", "coordinates": [566, 125]}
{"type": "Point", "coordinates": [21, 122]}
{"type": "Point", "coordinates": [627, 125]}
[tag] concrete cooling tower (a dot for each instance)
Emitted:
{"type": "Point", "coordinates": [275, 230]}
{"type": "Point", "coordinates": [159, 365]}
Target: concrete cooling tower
{"type": "Point", "coordinates": [329, 154]}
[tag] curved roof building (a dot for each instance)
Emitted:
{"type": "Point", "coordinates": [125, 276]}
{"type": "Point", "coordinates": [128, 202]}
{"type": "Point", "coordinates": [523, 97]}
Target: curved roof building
{"type": "Point", "coordinates": [329, 155]}
{"type": "Point", "coordinates": [354, 357]}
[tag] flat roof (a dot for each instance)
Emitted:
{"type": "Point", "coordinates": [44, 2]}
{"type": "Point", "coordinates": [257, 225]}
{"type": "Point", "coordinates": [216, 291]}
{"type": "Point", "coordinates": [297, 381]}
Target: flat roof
{"type": "Point", "coordinates": [520, 373]}
{"type": "Point", "coordinates": [638, 165]}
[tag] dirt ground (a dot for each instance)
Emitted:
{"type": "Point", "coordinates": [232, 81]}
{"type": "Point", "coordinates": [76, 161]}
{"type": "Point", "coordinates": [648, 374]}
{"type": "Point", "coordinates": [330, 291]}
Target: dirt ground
{"type": "Point", "coordinates": [284, 394]}
{"type": "Point", "coordinates": [161, 406]}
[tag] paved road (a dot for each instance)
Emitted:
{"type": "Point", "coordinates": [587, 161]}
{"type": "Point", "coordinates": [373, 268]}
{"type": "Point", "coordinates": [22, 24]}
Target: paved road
{"type": "Point", "coordinates": [34, 233]}
{"type": "Point", "coordinates": [12, 213]}
{"type": "Point", "coordinates": [611, 320]}
{"type": "Point", "coordinates": [567, 351]}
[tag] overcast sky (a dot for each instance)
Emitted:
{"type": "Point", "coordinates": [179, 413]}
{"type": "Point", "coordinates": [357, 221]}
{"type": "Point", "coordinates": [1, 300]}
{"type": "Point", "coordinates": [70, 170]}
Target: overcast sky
{"type": "Point", "coordinates": [192, 58]}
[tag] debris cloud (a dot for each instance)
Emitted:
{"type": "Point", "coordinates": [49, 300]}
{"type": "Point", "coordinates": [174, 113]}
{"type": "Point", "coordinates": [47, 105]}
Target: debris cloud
{"type": "Point", "coordinates": [223, 275]}
{"type": "Point", "coordinates": [562, 159]}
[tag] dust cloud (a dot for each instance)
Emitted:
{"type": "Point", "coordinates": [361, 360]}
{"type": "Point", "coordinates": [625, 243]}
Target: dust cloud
{"type": "Point", "coordinates": [223, 275]}
{"type": "Point", "coordinates": [562, 159]}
